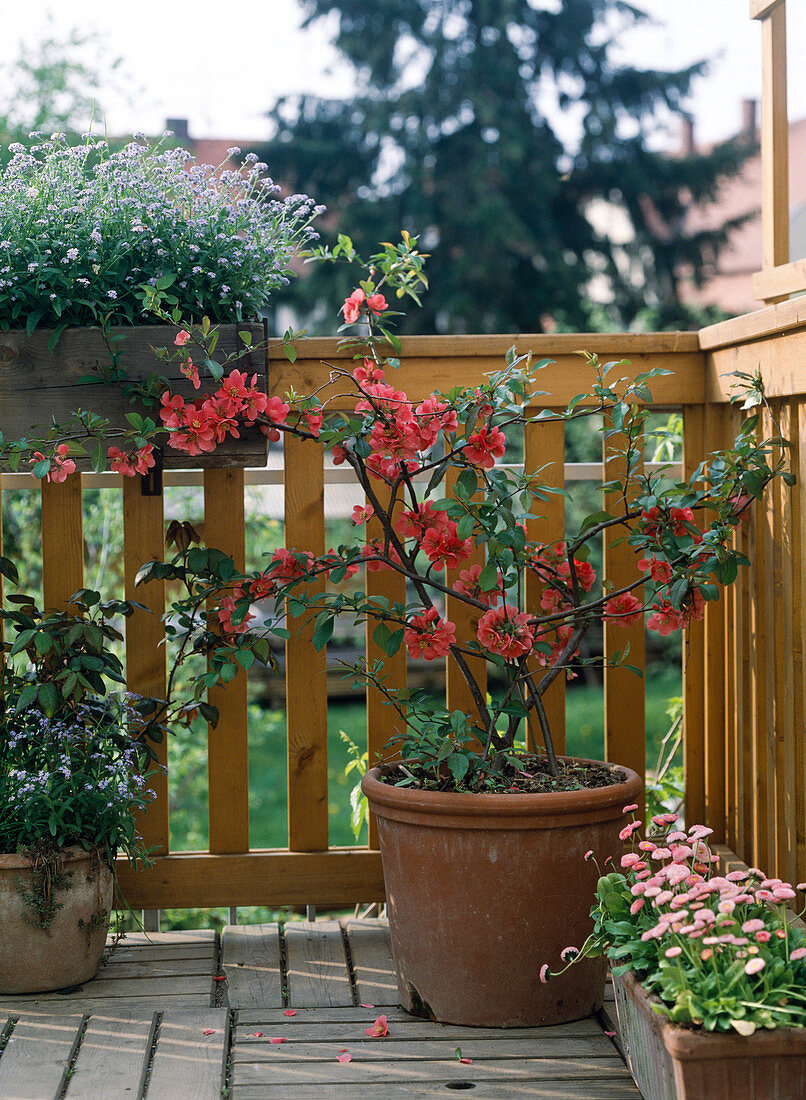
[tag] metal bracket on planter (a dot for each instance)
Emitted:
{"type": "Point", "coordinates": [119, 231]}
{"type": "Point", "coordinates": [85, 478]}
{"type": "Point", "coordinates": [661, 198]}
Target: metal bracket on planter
{"type": "Point", "coordinates": [151, 482]}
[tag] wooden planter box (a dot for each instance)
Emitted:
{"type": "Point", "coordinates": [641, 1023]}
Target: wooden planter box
{"type": "Point", "coordinates": [670, 1062]}
{"type": "Point", "coordinates": [37, 385]}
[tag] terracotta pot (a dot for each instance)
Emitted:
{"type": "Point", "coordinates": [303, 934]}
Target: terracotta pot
{"type": "Point", "coordinates": [483, 889]}
{"type": "Point", "coordinates": [67, 952]}
{"type": "Point", "coordinates": [670, 1062]}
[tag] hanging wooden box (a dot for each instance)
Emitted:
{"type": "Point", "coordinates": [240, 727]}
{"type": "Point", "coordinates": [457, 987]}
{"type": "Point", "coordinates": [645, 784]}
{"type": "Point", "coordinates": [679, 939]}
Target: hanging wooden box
{"type": "Point", "coordinates": [37, 386]}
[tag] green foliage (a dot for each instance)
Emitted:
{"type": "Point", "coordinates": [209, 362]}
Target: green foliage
{"type": "Point", "coordinates": [452, 135]}
{"type": "Point", "coordinates": [89, 236]}
{"type": "Point", "coordinates": [73, 778]}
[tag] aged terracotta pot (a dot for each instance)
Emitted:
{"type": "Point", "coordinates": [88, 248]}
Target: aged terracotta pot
{"type": "Point", "coordinates": [670, 1062]}
{"type": "Point", "coordinates": [483, 889]}
{"type": "Point", "coordinates": [34, 959]}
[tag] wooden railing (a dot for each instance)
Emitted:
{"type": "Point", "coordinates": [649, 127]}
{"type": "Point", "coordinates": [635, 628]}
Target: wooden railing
{"type": "Point", "coordinates": [309, 871]}
{"type": "Point", "coordinates": [743, 666]}
{"type": "Point", "coordinates": [750, 782]}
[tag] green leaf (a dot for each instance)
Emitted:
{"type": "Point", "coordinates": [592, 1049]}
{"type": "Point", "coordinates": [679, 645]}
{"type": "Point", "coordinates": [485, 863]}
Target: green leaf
{"type": "Point", "coordinates": [458, 764]}
{"type": "Point", "coordinates": [488, 577]}
{"type": "Point", "coordinates": [48, 696]}
{"type": "Point", "coordinates": [464, 528]}
{"type": "Point", "coordinates": [26, 697]}
{"type": "Point", "coordinates": [323, 630]}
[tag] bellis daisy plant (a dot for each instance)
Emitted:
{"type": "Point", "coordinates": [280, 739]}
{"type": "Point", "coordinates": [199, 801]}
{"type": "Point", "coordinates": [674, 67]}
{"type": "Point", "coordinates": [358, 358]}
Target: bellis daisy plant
{"type": "Point", "coordinates": [717, 951]}
{"type": "Point", "coordinates": [447, 516]}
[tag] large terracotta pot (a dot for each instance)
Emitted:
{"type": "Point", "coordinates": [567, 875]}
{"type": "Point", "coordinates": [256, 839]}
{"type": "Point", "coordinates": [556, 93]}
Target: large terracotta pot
{"type": "Point", "coordinates": [68, 951]}
{"type": "Point", "coordinates": [483, 889]}
{"type": "Point", "coordinates": [670, 1062]}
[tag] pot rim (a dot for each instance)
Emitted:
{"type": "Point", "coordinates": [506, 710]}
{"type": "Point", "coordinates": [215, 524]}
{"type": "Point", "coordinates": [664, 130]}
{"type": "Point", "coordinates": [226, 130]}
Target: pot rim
{"type": "Point", "coordinates": [72, 854]}
{"type": "Point", "coordinates": [490, 804]}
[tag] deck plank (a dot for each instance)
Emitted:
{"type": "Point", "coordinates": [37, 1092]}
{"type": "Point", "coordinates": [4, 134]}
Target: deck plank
{"type": "Point", "coordinates": [384, 1072]}
{"type": "Point", "coordinates": [194, 936]}
{"type": "Point", "coordinates": [373, 963]}
{"type": "Point", "coordinates": [411, 1049]}
{"type": "Point", "coordinates": [111, 988]}
{"type": "Point", "coordinates": [125, 970]}
{"type": "Point", "coordinates": [114, 1053]}
{"type": "Point", "coordinates": [317, 966]}
{"type": "Point", "coordinates": [187, 1063]}
{"type": "Point", "coordinates": [56, 1008]}
{"type": "Point", "coordinates": [535, 1090]}
{"type": "Point", "coordinates": [323, 1025]}
{"type": "Point", "coordinates": [34, 1063]}
{"type": "Point", "coordinates": [250, 958]}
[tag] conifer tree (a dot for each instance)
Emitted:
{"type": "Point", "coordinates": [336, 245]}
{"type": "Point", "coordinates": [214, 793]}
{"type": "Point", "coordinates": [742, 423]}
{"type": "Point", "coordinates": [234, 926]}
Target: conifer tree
{"type": "Point", "coordinates": [494, 130]}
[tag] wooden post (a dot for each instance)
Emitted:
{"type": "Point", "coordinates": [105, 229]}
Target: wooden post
{"type": "Point", "coordinates": [774, 150]}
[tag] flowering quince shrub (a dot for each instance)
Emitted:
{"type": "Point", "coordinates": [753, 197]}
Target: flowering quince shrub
{"type": "Point", "coordinates": [402, 451]}
{"type": "Point", "coordinates": [719, 951]}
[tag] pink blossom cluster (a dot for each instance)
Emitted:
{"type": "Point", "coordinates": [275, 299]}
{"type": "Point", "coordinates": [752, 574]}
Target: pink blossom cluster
{"type": "Point", "coordinates": [61, 465]}
{"type": "Point", "coordinates": [131, 463]}
{"type": "Point", "coordinates": [199, 426]}
{"type": "Point", "coordinates": [693, 912]}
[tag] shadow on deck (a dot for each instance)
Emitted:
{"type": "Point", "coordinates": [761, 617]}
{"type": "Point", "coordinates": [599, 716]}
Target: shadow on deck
{"type": "Point", "coordinates": [156, 1022]}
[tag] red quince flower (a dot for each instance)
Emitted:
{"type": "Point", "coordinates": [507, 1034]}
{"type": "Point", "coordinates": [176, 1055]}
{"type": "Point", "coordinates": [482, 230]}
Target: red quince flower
{"type": "Point", "coordinates": [506, 631]}
{"type": "Point", "coordinates": [352, 306]}
{"type": "Point", "coordinates": [428, 636]}
{"type": "Point", "coordinates": [624, 609]}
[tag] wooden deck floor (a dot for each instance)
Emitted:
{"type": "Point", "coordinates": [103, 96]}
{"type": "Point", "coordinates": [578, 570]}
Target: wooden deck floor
{"type": "Point", "coordinates": [157, 1023]}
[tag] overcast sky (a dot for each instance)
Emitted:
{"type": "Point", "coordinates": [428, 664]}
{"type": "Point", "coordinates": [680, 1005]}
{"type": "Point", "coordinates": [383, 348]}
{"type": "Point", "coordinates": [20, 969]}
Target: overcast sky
{"type": "Point", "coordinates": [221, 65]}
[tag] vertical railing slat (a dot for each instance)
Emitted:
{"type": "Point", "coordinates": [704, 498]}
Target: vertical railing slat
{"type": "Point", "coordinates": [787, 686]}
{"type": "Point", "coordinates": [624, 692]}
{"type": "Point", "coordinates": [383, 721]}
{"type": "Point", "coordinates": [765, 655]}
{"type": "Point", "coordinates": [747, 701]}
{"type": "Point", "coordinates": [733, 681]}
{"type": "Point", "coordinates": [717, 427]}
{"type": "Point", "coordinates": [144, 541]}
{"type": "Point", "coordinates": [458, 695]}
{"type": "Point", "coordinates": [228, 743]}
{"type": "Point", "coordinates": [544, 451]}
{"type": "Point", "coordinates": [305, 669]}
{"type": "Point", "coordinates": [694, 647]}
{"type": "Point", "coordinates": [798, 454]}
{"type": "Point", "coordinates": [62, 541]}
